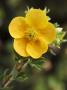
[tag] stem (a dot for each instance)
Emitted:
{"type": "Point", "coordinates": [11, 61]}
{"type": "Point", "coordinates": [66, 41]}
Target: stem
{"type": "Point", "coordinates": [10, 77]}
{"type": "Point", "coordinates": [8, 82]}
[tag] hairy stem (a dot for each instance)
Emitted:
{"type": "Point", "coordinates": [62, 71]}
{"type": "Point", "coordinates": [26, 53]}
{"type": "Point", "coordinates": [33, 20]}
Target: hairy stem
{"type": "Point", "coordinates": [20, 67]}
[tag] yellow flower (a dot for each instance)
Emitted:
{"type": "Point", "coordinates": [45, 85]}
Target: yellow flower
{"type": "Point", "coordinates": [32, 34]}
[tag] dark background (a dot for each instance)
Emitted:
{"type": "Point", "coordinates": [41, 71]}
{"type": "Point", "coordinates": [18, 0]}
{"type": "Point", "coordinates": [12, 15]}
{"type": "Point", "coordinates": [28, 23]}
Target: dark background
{"type": "Point", "coordinates": [58, 13]}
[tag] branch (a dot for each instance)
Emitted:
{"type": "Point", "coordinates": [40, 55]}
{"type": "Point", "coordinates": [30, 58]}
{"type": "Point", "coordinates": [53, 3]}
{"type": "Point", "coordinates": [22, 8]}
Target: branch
{"type": "Point", "coordinates": [19, 67]}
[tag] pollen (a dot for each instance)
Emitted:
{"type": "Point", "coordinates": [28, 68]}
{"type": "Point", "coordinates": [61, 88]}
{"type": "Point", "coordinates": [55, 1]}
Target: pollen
{"type": "Point", "coordinates": [30, 34]}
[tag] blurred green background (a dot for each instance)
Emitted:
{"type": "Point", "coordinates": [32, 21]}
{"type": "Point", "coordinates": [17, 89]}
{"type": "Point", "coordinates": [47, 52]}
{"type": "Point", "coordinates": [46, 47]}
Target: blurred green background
{"type": "Point", "coordinates": [54, 74]}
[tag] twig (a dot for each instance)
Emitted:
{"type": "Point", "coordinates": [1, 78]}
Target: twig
{"type": "Point", "coordinates": [10, 77]}
{"type": "Point", "coordinates": [8, 82]}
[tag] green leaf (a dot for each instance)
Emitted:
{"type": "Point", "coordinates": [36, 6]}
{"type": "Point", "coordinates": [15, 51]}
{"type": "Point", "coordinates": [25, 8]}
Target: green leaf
{"type": "Point", "coordinates": [59, 38]}
{"type": "Point", "coordinates": [38, 63]}
{"type": "Point", "coordinates": [56, 24]}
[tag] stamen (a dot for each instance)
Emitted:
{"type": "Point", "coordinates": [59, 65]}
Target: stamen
{"type": "Point", "coordinates": [30, 34]}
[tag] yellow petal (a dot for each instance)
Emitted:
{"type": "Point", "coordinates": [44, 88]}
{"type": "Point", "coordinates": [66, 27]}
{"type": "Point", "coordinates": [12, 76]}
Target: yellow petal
{"type": "Point", "coordinates": [37, 18]}
{"type": "Point", "coordinates": [49, 33]}
{"type": "Point", "coordinates": [36, 48]}
{"type": "Point", "coordinates": [17, 27]}
{"type": "Point", "coordinates": [20, 46]}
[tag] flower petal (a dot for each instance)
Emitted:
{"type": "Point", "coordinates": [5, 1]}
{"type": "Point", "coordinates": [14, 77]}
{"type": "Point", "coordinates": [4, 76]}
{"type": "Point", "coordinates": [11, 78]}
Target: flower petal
{"type": "Point", "coordinates": [36, 48]}
{"type": "Point", "coordinates": [49, 33]}
{"type": "Point", "coordinates": [20, 46]}
{"type": "Point", "coordinates": [17, 27]}
{"type": "Point", "coordinates": [37, 18]}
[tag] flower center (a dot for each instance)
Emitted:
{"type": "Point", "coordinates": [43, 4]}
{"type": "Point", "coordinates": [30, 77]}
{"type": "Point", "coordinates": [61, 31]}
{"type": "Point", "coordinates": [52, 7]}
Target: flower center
{"type": "Point", "coordinates": [30, 34]}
